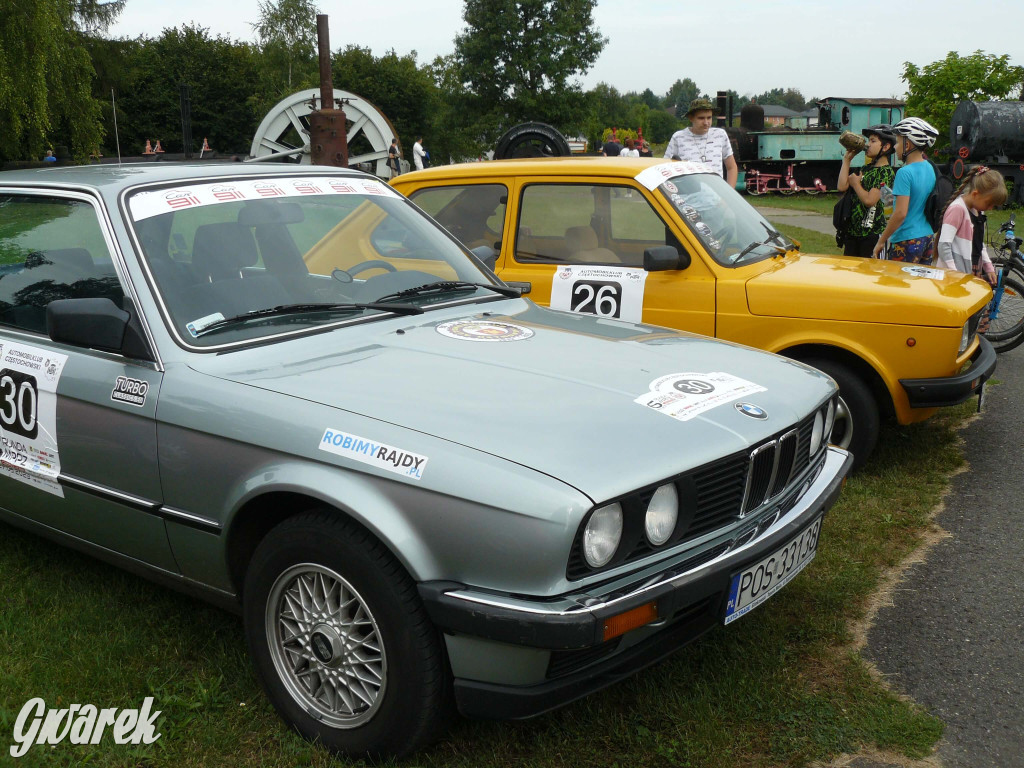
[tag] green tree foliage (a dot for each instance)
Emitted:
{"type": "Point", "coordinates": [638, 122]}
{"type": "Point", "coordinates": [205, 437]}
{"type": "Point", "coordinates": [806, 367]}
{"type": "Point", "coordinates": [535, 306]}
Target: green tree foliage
{"type": "Point", "coordinates": [681, 94]}
{"type": "Point", "coordinates": [518, 60]}
{"type": "Point", "coordinates": [662, 126]}
{"type": "Point", "coordinates": [394, 84]}
{"type": "Point", "coordinates": [936, 89]}
{"type": "Point", "coordinates": [221, 73]}
{"type": "Point", "coordinates": [287, 36]}
{"type": "Point", "coordinates": [791, 98]}
{"type": "Point", "coordinates": [45, 75]}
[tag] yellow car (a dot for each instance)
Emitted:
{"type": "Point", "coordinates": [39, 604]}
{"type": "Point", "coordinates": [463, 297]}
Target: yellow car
{"type": "Point", "coordinates": [672, 245]}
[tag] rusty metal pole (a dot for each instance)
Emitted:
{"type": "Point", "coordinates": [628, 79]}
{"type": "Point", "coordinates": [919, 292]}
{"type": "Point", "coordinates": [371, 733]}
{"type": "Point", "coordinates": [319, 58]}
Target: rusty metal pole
{"type": "Point", "coordinates": [327, 126]}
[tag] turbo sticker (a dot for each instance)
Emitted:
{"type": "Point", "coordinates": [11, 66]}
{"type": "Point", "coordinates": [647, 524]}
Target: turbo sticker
{"type": "Point", "coordinates": [130, 391]}
{"type": "Point", "coordinates": [483, 330]}
{"type": "Point", "coordinates": [374, 453]}
{"type": "Point", "coordinates": [28, 415]}
{"type": "Point", "coordinates": [603, 291]}
{"type": "Point", "coordinates": [686, 395]}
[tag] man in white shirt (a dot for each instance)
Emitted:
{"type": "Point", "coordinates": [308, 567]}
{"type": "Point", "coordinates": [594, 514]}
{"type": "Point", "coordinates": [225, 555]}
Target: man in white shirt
{"type": "Point", "coordinates": [700, 143]}
{"type": "Point", "coordinates": [418, 153]}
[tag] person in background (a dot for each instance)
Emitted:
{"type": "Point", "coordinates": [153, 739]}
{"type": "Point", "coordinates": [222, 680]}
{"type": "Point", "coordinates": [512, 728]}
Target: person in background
{"type": "Point", "coordinates": [645, 149]}
{"type": "Point", "coordinates": [700, 143]}
{"type": "Point", "coordinates": [867, 220]}
{"type": "Point", "coordinates": [418, 153]}
{"type": "Point", "coordinates": [394, 156]}
{"type": "Point", "coordinates": [908, 232]}
{"type": "Point", "coordinates": [630, 149]}
{"type": "Point", "coordinates": [612, 147]}
{"type": "Point", "coordinates": [50, 158]}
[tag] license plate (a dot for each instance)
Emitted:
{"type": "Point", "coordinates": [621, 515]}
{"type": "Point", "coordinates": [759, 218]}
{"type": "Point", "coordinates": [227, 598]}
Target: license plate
{"type": "Point", "coordinates": [760, 581]}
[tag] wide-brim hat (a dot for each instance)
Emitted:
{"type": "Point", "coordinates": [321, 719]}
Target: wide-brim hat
{"type": "Point", "coordinates": [698, 104]}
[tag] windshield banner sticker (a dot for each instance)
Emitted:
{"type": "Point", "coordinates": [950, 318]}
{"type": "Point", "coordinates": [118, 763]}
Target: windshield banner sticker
{"type": "Point", "coordinates": [28, 415]}
{"type": "Point", "coordinates": [603, 291]}
{"type": "Point", "coordinates": [686, 395]}
{"type": "Point", "coordinates": [155, 202]}
{"type": "Point", "coordinates": [934, 274]}
{"type": "Point", "coordinates": [656, 175]}
{"type": "Point", "coordinates": [374, 453]}
{"type": "Point", "coordinates": [483, 330]}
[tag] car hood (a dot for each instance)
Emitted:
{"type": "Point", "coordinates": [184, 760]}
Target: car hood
{"type": "Point", "coordinates": [865, 290]}
{"type": "Point", "coordinates": [561, 401]}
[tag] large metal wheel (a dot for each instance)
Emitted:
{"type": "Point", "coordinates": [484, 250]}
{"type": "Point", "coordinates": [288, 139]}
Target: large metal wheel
{"type": "Point", "coordinates": [283, 136]}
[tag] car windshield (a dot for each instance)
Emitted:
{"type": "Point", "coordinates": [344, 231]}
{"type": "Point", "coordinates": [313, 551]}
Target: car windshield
{"type": "Point", "coordinates": [242, 260]}
{"type": "Point", "coordinates": [730, 228]}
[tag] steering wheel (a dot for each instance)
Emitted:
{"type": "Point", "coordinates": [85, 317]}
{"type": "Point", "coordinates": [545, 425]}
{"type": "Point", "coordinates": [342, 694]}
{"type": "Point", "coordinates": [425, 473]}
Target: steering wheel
{"type": "Point", "coordinates": [371, 264]}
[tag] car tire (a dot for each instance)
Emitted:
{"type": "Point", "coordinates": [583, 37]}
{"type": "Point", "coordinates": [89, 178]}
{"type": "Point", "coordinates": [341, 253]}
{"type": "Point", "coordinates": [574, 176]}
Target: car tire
{"type": "Point", "coordinates": [340, 640]}
{"type": "Point", "coordinates": [857, 419]}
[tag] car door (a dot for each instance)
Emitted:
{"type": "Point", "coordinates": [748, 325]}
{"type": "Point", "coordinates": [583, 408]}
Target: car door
{"type": "Point", "coordinates": [580, 244]}
{"type": "Point", "coordinates": [77, 426]}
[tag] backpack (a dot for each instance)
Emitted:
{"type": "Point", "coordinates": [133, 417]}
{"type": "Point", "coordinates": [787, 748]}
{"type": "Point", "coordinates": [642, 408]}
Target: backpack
{"type": "Point", "coordinates": [942, 193]}
{"type": "Point", "coordinates": [842, 214]}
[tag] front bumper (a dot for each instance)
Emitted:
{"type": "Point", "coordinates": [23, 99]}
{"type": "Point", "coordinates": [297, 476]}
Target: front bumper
{"type": "Point", "coordinates": [690, 600]}
{"type": "Point", "coordinates": [934, 393]}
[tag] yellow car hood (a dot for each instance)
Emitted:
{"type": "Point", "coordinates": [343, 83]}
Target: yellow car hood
{"type": "Point", "coordinates": [865, 290]}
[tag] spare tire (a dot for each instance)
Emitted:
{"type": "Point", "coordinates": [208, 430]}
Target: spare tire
{"type": "Point", "coordinates": [531, 140]}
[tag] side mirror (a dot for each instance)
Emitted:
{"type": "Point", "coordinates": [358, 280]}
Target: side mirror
{"type": "Point", "coordinates": [92, 323]}
{"type": "Point", "coordinates": [662, 258]}
{"type": "Point", "coordinates": [487, 255]}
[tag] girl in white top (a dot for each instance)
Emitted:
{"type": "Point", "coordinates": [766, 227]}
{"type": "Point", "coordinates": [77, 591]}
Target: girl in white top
{"type": "Point", "coordinates": [982, 190]}
{"type": "Point", "coordinates": [629, 149]}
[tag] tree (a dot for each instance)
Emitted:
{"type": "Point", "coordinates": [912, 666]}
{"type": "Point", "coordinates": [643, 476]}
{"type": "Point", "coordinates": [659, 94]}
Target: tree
{"type": "Point", "coordinates": [222, 75]}
{"type": "Point", "coordinates": [663, 125]}
{"type": "Point", "coordinates": [791, 98]}
{"type": "Point", "coordinates": [287, 36]}
{"type": "Point", "coordinates": [45, 75]}
{"type": "Point", "coordinates": [680, 95]}
{"type": "Point", "coordinates": [518, 60]}
{"type": "Point", "coordinates": [935, 90]}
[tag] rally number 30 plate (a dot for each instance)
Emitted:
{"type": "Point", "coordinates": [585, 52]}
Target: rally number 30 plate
{"type": "Point", "coordinates": [760, 581]}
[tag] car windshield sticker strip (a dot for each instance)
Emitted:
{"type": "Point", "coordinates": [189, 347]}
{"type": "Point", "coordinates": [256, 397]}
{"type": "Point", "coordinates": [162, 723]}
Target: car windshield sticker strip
{"type": "Point", "coordinates": [656, 175]}
{"type": "Point", "coordinates": [686, 395]}
{"type": "Point", "coordinates": [603, 291]}
{"type": "Point", "coordinates": [374, 453]}
{"type": "Point", "coordinates": [28, 415]}
{"type": "Point", "coordinates": [155, 202]}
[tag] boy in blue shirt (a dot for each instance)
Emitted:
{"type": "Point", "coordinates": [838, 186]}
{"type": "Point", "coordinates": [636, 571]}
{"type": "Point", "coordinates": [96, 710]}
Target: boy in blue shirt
{"type": "Point", "coordinates": [908, 231]}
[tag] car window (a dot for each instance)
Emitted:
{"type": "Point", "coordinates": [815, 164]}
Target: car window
{"type": "Point", "coordinates": [587, 224]}
{"type": "Point", "coordinates": [474, 214]}
{"type": "Point", "coordinates": [220, 251]}
{"type": "Point", "coordinates": [50, 248]}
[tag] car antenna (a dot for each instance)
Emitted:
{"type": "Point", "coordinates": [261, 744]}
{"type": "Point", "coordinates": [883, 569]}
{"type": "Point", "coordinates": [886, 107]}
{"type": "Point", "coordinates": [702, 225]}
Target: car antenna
{"type": "Point", "coordinates": [117, 138]}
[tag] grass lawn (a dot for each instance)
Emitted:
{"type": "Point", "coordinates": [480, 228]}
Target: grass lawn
{"type": "Point", "coordinates": [783, 686]}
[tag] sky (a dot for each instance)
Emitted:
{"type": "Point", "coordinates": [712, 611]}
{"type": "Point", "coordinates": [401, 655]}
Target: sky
{"type": "Point", "coordinates": [820, 47]}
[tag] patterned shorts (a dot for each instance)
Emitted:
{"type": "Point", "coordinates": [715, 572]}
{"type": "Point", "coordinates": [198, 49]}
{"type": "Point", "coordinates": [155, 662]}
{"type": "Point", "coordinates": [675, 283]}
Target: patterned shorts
{"type": "Point", "coordinates": [917, 250]}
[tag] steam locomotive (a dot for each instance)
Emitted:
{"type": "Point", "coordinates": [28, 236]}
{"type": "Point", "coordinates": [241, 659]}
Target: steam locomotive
{"type": "Point", "coordinates": [989, 133]}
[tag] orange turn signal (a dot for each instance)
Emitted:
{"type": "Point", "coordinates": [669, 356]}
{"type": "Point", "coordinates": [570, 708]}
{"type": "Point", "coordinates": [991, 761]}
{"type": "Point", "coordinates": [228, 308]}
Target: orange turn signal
{"type": "Point", "coordinates": [624, 622]}
{"type": "Point", "coordinates": [911, 341]}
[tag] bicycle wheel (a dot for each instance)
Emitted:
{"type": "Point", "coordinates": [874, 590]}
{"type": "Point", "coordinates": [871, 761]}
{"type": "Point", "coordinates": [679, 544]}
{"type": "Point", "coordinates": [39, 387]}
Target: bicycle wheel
{"type": "Point", "coordinates": [1006, 330]}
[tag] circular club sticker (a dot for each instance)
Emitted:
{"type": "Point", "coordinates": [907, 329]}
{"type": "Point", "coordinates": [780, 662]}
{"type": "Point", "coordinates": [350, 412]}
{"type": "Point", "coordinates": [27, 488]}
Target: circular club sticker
{"type": "Point", "coordinates": [482, 330]}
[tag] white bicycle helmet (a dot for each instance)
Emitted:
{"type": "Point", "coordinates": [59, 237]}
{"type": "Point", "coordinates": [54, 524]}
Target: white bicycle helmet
{"type": "Point", "coordinates": [920, 133]}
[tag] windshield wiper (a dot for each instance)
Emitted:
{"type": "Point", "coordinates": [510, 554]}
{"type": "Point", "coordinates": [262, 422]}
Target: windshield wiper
{"type": "Point", "coordinates": [446, 286]}
{"type": "Point", "coordinates": [774, 239]}
{"type": "Point", "coordinates": [300, 309]}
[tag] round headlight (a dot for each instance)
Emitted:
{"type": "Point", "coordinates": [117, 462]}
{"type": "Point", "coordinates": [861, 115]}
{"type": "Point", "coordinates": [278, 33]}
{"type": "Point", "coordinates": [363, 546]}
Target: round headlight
{"type": "Point", "coordinates": [816, 432]}
{"type": "Point", "coordinates": [830, 420]}
{"type": "Point", "coordinates": [602, 534]}
{"type": "Point", "coordinates": [662, 513]}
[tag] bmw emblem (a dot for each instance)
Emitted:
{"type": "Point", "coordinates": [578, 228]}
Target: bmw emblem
{"type": "Point", "coordinates": [751, 410]}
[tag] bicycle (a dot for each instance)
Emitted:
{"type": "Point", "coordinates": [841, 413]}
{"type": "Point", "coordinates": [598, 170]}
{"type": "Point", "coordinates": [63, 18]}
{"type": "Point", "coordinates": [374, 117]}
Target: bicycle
{"type": "Point", "coordinates": [1006, 310]}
